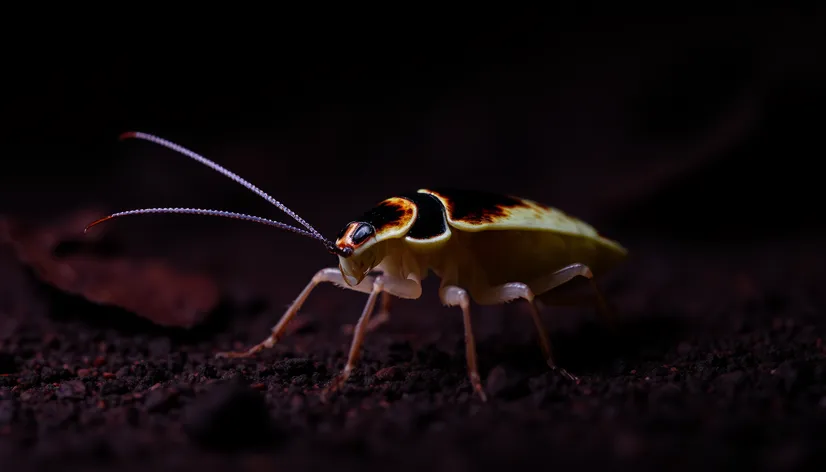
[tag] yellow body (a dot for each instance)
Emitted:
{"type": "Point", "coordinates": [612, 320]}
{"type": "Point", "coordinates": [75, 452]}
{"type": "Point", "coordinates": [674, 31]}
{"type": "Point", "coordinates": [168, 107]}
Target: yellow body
{"type": "Point", "coordinates": [524, 244]}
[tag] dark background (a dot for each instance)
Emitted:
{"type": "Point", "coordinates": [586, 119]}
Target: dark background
{"type": "Point", "coordinates": [696, 141]}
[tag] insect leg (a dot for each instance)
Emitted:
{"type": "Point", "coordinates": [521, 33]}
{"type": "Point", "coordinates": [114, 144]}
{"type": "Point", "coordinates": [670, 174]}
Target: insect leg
{"type": "Point", "coordinates": [403, 288]}
{"type": "Point", "coordinates": [331, 275]}
{"type": "Point", "coordinates": [544, 285]}
{"type": "Point", "coordinates": [381, 317]}
{"type": "Point", "coordinates": [514, 290]}
{"type": "Point", "coordinates": [452, 295]}
{"type": "Point", "coordinates": [358, 338]}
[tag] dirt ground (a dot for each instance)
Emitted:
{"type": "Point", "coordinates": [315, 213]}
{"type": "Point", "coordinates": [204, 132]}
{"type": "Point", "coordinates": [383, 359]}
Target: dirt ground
{"type": "Point", "coordinates": [717, 360]}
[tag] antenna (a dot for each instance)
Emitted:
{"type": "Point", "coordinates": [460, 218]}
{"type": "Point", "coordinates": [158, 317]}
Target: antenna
{"type": "Point", "coordinates": [310, 232]}
{"type": "Point", "coordinates": [198, 211]}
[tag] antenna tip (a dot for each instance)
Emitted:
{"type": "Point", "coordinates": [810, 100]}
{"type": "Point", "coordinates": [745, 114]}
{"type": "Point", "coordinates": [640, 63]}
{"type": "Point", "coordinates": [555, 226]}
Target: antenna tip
{"type": "Point", "coordinates": [94, 223]}
{"type": "Point", "coordinates": [128, 135]}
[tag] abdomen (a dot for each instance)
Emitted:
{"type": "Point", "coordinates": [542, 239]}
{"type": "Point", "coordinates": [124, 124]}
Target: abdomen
{"type": "Point", "coordinates": [498, 257]}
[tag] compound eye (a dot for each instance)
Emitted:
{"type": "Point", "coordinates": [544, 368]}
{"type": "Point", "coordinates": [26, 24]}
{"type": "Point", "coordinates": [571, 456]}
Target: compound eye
{"type": "Point", "coordinates": [362, 233]}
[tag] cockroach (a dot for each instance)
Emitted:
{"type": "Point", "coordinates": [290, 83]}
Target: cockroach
{"type": "Point", "coordinates": [486, 247]}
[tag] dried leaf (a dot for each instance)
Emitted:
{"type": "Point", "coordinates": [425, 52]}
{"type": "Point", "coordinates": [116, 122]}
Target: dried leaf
{"type": "Point", "coordinates": [147, 288]}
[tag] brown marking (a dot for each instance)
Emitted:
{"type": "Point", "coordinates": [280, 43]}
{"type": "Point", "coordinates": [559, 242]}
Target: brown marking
{"type": "Point", "coordinates": [391, 214]}
{"type": "Point", "coordinates": [479, 207]}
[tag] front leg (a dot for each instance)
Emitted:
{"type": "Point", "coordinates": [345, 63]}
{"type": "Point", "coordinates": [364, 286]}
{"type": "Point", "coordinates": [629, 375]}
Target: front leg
{"type": "Point", "coordinates": [331, 275]}
{"type": "Point", "coordinates": [381, 317]}
{"type": "Point", "coordinates": [403, 288]}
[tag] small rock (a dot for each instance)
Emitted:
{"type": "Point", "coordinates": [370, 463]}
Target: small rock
{"type": "Point", "coordinates": [497, 378]}
{"type": "Point", "coordinates": [295, 367]}
{"type": "Point", "coordinates": [506, 383]}
{"type": "Point", "coordinates": [207, 371]}
{"type": "Point", "coordinates": [628, 445]}
{"type": "Point", "coordinates": [160, 347]}
{"type": "Point", "coordinates": [730, 382]}
{"type": "Point", "coordinates": [8, 410]}
{"type": "Point", "coordinates": [7, 363]}
{"type": "Point", "coordinates": [787, 456]}
{"type": "Point", "coordinates": [161, 401]}
{"type": "Point", "coordinates": [666, 394]}
{"type": "Point", "coordinates": [74, 389]}
{"type": "Point", "coordinates": [229, 416]}
{"type": "Point", "coordinates": [388, 373]}
{"type": "Point", "coordinates": [788, 373]}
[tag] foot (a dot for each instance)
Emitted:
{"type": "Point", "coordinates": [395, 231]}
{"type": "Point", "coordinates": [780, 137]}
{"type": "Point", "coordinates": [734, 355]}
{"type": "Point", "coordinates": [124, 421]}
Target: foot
{"type": "Point", "coordinates": [563, 372]}
{"type": "Point", "coordinates": [248, 353]}
{"type": "Point", "coordinates": [335, 384]}
{"type": "Point", "coordinates": [477, 387]}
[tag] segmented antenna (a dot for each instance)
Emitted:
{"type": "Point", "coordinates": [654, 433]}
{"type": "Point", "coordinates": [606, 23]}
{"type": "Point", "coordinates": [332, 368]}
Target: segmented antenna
{"type": "Point", "coordinates": [203, 160]}
{"type": "Point", "coordinates": [198, 211]}
{"type": "Point", "coordinates": [310, 232]}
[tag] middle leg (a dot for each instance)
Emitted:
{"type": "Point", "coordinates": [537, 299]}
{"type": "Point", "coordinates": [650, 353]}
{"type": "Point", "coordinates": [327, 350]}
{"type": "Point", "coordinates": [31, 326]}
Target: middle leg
{"type": "Point", "coordinates": [452, 295]}
{"type": "Point", "coordinates": [515, 290]}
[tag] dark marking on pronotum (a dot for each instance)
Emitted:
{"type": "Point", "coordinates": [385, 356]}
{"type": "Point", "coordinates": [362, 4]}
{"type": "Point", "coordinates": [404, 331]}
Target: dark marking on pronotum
{"type": "Point", "coordinates": [430, 221]}
{"type": "Point", "coordinates": [477, 206]}
{"type": "Point", "coordinates": [386, 214]}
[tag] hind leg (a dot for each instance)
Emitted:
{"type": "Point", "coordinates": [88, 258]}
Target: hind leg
{"type": "Point", "coordinates": [514, 290]}
{"type": "Point", "coordinates": [545, 286]}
